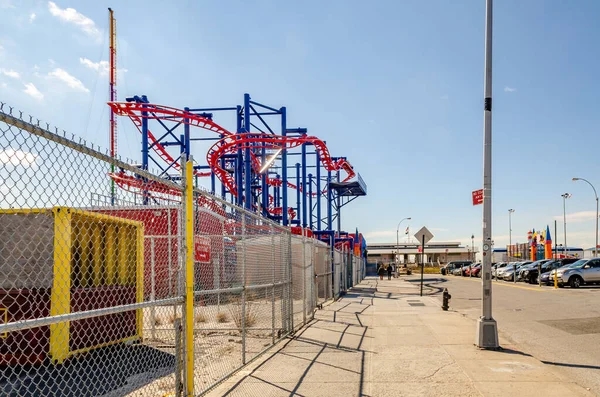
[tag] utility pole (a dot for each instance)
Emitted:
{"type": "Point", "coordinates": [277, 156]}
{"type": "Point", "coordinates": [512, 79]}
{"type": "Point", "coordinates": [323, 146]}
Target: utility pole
{"type": "Point", "coordinates": [565, 196]}
{"type": "Point", "coordinates": [398, 240]}
{"type": "Point", "coordinates": [510, 211]}
{"type": "Point", "coordinates": [595, 194]}
{"type": "Point", "coordinates": [487, 329]}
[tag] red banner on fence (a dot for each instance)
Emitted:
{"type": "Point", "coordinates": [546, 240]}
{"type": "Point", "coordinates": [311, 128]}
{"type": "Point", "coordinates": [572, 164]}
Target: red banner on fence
{"type": "Point", "coordinates": [478, 197]}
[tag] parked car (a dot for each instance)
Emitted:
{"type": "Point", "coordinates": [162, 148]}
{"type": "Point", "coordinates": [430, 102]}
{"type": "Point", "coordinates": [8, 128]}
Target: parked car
{"type": "Point", "coordinates": [584, 271]}
{"type": "Point", "coordinates": [473, 271]}
{"type": "Point", "coordinates": [548, 276]}
{"type": "Point", "coordinates": [500, 270]}
{"type": "Point", "coordinates": [451, 266]}
{"type": "Point", "coordinates": [531, 274]}
{"type": "Point", "coordinates": [509, 273]}
{"type": "Point", "coordinates": [457, 271]}
{"type": "Point", "coordinates": [497, 268]}
{"type": "Point", "coordinates": [524, 271]}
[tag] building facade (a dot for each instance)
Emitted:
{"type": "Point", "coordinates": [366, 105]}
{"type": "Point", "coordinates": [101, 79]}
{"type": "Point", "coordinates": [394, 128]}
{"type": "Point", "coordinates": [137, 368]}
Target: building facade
{"type": "Point", "coordinates": [438, 252]}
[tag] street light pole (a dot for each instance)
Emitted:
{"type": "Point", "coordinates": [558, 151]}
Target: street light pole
{"type": "Point", "coordinates": [596, 194]}
{"type": "Point", "coordinates": [398, 239]}
{"type": "Point", "coordinates": [487, 329]}
{"type": "Point", "coordinates": [565, 196]}
{"type": "Point", "coordinates": [473, 247]}
{"type": "Point", "coordinates": [510, 211]}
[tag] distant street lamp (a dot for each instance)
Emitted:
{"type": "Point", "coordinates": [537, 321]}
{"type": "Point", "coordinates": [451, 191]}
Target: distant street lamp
{"type": "Point", "coordinates": [473, 247]}
{"type": "Point", "coordinates": [510, 211]}
{"type": "Point", "coordinates": [596, 194]}
{"type": "Point", "coordinates": [565, 196]}
{"type": "Point", "coordinates": [398, 240]}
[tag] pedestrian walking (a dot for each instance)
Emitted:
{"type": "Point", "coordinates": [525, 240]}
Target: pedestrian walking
{"type": "Point", "coordinates": [381, 271]}
{"type": "Point", "coordinates": [389, 271]}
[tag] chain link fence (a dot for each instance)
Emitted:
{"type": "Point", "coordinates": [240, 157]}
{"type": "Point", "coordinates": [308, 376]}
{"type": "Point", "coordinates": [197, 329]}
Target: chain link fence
{"type": "Point", "coordinates": [142, 287]}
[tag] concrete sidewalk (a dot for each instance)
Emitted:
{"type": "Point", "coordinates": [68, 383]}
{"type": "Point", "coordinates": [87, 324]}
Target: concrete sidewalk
{"type": "Point", "coordinates": [383, 339]}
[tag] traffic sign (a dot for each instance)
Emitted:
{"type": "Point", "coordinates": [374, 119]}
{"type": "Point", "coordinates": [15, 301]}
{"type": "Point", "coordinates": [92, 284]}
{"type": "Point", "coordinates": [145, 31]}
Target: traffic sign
{"type": "Point", "coordinates": [423, 235]}
{"type": "Point", "coordinates": [477, 197]}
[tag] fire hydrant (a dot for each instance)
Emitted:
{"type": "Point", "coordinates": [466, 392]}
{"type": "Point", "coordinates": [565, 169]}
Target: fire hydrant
{"type": "Point", "coordinates": [445, 299]}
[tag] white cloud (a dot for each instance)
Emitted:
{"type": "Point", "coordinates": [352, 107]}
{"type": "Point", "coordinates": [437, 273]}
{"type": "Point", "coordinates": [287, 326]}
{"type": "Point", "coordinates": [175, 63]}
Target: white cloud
{"type": "Point", "coordinates": [32, 17]}
{"type": "Point", "coordinates": [3, 85]}
{"type": "Point", "coordinates": [17, 157]}
{"type": "Point", "coordinates": [71, 15]}
{"type": "Point", "coordinates": [32, 91]}
{"type": "Point", "coordinates": [101, 66]}
{"type": "Point", "coordinates": [10, 73]}
{"type": "Point", "coordinates": [70, 81]}
{"type": "Point", "coordinates": [509, 89]}
{"type": "Point", "coordinates": [578, 217]}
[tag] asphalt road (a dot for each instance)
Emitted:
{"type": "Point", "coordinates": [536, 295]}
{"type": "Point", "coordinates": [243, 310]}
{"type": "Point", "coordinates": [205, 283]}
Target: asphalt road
{"type": "Point", "coordinates": [560, 327]}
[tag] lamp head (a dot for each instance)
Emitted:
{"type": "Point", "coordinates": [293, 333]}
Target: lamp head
{"type": "Point", "coordinates": [576, 179]}
{"type": "Point", "coordinates": [408, 219]}
{"type": "Point", "coordinates": [511, 210]}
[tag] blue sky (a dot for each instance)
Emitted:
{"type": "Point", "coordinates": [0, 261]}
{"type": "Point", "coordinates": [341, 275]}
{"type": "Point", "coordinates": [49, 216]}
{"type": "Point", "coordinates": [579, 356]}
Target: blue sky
{"type": "Point", "coordinates": [396, 86]}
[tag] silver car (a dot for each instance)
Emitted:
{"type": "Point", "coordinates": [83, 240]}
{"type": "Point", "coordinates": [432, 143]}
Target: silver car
{"type": "Point", "coordinates": [500, 271]}
{"type": "Point", "coordinates": [584, 271]}
{"type": "Point", "coordinates": [498, 268]}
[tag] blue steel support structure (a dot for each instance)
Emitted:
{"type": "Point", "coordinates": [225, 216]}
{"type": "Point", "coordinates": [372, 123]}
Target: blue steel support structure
{"type": "Point", "coordinates": [319, 191]}
{"type": "Point", "coordinates": [239, 163]}
{"type": "Point", "coordinates": [303, 186]}
{"type": "Point", "coordinates": [329, 203]}
{"type": "Point", "coordinates": [284, 180]}
{"type": "Point", "coordinates": [298, 195]}
{"type": "Point", "coordinates": [249, 197]}
{"type": "Point", "coordinates": [145, 149]}
{"type": "Point", "coordinates": [310, 201]}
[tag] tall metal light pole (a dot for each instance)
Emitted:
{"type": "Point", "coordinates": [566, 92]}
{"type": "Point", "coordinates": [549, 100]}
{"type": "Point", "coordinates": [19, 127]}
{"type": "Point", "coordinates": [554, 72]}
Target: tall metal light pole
{"type": "Point", "coordinates": [398, 238]}
{"type": "Point", "coordinates": [565, 196]}
{"type": "Point", "coordinates": [487, 329]}
{"type": "Point", "coordinates": [596, 194]}
{"type": "Point", "coordinates": [510, 211]}
{"type": "Point", "coordinates": [472, 248]}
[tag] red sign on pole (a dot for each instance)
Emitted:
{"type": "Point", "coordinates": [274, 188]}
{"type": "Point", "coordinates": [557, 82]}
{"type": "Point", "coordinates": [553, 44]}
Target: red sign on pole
{"type": "Point", "coordinates": [478, 197]}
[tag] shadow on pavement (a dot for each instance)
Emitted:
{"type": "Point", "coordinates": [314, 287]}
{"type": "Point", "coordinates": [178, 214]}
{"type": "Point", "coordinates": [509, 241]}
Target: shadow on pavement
{"type": "Point", "coordinates": [332, 343]}
{"type": "Point", "coordinates": [584, 366]}
{"type": "Point", "coordinates": [122, 368]}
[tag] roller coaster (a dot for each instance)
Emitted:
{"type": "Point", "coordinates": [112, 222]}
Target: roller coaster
{"type": "Point", "coordinates": [243, 162]}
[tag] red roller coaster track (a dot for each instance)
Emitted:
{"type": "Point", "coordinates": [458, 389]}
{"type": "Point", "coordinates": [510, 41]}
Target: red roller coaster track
{"type": "Point", "coordinates": [230, 143]}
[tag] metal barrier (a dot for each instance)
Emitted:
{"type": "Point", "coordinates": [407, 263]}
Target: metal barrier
{"type": "Point", "coordinates": [163, 290]}
{"type": "Point", "coordinates": [88, 285]}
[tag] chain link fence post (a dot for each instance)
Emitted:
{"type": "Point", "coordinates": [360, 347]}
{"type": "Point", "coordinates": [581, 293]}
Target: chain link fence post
{"type": "Point", "coordinates": [303, 278]}
{"type": "Point", "coordinates": [273, 286]}
{"type": "Point", "coordinates": [188, 260]}
{"type": "Point", "coordinates": [243, 308]}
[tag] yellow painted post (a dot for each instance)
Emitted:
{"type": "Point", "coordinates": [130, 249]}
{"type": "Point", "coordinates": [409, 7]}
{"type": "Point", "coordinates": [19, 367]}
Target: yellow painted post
{"type": "Point", "coordinates": [555, 279]}
{"type": "Point", "coordinates": [122, 248]}
{"type": "Point", "coordinates": [60, 299]}
{"type": "Point", "coordinates": [98, 254]}
{"type": "Point", "coordinates": [111, 257]}
{"type": "Point", "coordinates": [139, 281]}
{"type": "Point", "coordinates": [189, 280]}
{"type": "Point", "coordinates": [85, 240]}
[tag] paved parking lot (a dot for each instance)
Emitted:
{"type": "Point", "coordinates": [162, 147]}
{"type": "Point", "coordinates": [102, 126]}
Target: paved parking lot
{"type": "Point", "coordinates": [561, 326]}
